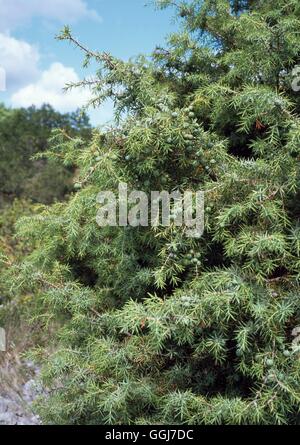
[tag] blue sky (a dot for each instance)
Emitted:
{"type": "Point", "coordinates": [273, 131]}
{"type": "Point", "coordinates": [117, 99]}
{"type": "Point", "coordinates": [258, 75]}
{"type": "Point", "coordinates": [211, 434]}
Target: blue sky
{"type": "Point", "coordinates": [37, 66]}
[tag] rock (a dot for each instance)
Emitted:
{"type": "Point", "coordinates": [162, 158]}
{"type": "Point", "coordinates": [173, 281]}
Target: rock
{"type": "Point", "coordinates": [31, 390]}
{"type": "Point", "coordinates": [7, 419]}
{"type": "Point", "coordinates": [16, 407]}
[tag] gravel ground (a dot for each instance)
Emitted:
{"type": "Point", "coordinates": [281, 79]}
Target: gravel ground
{"type": "Point", "coordinates": [14, 413]}
{"type": "Point", "coordinates": [15, 408]}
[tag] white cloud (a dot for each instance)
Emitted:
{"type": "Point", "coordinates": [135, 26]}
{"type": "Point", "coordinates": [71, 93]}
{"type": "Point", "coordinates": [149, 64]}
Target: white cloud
{"type": "Point", "coordinates": [19, 59]}
{"type": "Point", "coordinates": [14, 13]}
{"type": "Point", "coordinates": [49, 89]}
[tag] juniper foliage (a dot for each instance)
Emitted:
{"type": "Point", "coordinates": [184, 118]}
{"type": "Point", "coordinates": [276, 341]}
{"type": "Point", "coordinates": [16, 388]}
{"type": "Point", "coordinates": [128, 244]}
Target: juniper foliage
{"type": "Point", "coordinates": [157, 327]}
